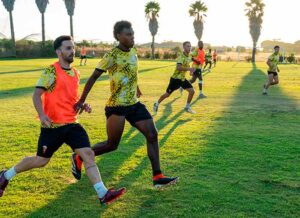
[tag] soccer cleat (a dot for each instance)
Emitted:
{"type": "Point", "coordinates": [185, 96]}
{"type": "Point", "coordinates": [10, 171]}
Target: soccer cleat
{"type": "Point", "coordinates": [189, 110]}
{"type": "Point", "coordinates": [76, 166]}
{"type": "Point", "coordinates": [112, 195]}
{"type": "Point", "coordinates": [264, 93]}
{"type": "Point", "coordinates": [3, 182]}
{"type": "Point", "coordinates": [160, 181]}
{"type": "Point", "coordinates": [155, 107]}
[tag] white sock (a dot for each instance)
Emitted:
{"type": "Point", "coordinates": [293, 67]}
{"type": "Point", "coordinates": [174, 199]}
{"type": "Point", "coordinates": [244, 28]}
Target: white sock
{"type": "Point", "coordinates": [9, 174]}
{"type": "Point", "coordinates": [187, 105]}
{"type": "Point", "coordinates": [200, 91]}
{"type": "Point", "coordinates": [157, 103]}
{"type": "Point", "coordinates": [100, 189]}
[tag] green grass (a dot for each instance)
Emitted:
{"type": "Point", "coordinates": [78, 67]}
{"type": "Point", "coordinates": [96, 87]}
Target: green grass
{"type": "Point", "coordinates": [237, 157]}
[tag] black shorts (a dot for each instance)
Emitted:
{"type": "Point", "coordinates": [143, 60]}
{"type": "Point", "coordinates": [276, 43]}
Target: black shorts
{"type": "Point", "coordinates": [132, 113]}
{"type": "Point", "coordinates": [198, 72]}
{"type": "Point", "coordinates": [51, 139]}
{"type": "Point", "coordinates": [82, 56]}
{"type": "Point", "coordinates": [175, 84]}
{"type": "Point", "coordinates": [274, 73]}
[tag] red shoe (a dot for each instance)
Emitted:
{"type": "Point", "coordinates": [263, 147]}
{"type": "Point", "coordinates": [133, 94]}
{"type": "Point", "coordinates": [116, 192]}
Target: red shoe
{"type": "Point", "coordinates": [160, 181]}
{"type": "Point", "coordinates": [3, 182]}
{"type": "Point", "coordinates": [112, 195]}
{"type": "Point", "coordinates": [76, 166]}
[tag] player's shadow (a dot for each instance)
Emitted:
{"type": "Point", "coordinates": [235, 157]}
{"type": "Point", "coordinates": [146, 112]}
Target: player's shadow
{"type": "Point", "coordinates": [19, 92]}
{"type": "Point", "coordinates": [20, 71]}
{"type": "Point", "coordinates": [131, 141]}
{"type": "Point", "coordinates": [219, 157]}
{"type": "Point", "coordinates": [241, 161]}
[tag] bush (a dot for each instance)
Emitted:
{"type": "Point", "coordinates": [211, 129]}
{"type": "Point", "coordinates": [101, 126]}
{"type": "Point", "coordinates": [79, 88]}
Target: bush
{"type": "Point", "coordinates": [248, 59]}
{"type": "Point", "coordinates": [291, 58]}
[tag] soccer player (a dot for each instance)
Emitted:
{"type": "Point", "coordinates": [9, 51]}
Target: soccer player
{"type": "Point", "coordinates": [122, 66]}
{"type": "Point", "coordinates": [198, 60]}
{"type": "Point", "coordinates": [215, 55]}
{"type": "Point", "coordinates": [273, 71]}
{"type": "Point", "coordinates": [54, 97]}
{"type": "Point", "coordinates": [83, 56]}
{"type": "Point", "coordinates": [208, 57]}
{"type": "Point", "coordinates": [178, 79]}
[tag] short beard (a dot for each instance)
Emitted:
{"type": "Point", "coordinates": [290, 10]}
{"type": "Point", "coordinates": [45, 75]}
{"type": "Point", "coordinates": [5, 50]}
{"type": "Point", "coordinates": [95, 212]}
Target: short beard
{"type": "Point", "coordinates": [69, 60]}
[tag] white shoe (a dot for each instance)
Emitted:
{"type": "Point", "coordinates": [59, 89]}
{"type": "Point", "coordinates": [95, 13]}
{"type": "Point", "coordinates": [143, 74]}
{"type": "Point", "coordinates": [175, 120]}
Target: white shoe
{"type": "Point", "coordinates": [189, 110]}
{"type": "Point", "coordinates": [155, 107]}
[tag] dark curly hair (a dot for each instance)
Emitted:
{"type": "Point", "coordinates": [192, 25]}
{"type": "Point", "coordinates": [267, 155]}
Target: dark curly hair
{"type": "Point", "coordinates": [120, 26]}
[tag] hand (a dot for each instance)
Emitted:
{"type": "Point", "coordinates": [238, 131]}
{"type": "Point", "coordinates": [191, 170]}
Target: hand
{"type": "Point", "coordinates": [87, 108]}
{"type": "Point", "coordinates": [46, 121]}
{"type": "Point", "coordinates": [138, 93]}
{"type": "Point", "coordinates": [192, 70]}
{"type": "Point", "coordinates": [78, 107]}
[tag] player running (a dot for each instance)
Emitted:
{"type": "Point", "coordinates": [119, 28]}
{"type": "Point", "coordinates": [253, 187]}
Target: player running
{"type": "Point", "coordinates": [54, 98]}
{"type": "Point", "coordinates": [273, 71]}
{"type": "Point", "coordinates": [198, 60]}
{"type": "Point", "coordinates": [178, 79]}
{"type": "Point", "coordinates": [208, 58]}
{"type": "Point", "coordinates": [122, 66]}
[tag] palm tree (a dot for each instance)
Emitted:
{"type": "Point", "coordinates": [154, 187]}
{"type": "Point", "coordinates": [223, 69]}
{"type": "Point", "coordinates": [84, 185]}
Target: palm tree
{"type": "Point", "coordinates": [42, 5]}
{"type": "Point", "coordinates": [9, 5]}
{"type": "Point", "coordinates": [70, 5]}
{"type": "Point", "coordinates": [255, 13]}
{"type": "Point", "coordinates": [197, 11]}
{"type": "Point", "coordinates": [151, 10]}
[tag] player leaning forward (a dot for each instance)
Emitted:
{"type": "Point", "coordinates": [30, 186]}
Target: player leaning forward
{"type": "Point", "coordinates": [54, 98]}
{"type": "Point", "coordinates": [178, 79]}
{"type": "Point", "coordinates": [121, 63]}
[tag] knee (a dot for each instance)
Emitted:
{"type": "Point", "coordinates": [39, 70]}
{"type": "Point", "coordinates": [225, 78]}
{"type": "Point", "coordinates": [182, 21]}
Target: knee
{"type": "Point", "coordinates": [152, 136]}
{"type": "Point", "coordinates": [276, 81]}
{"type": "Point", "coordinates": [192, 91]}
{"type": "Point", "coordinates": [88, 156]}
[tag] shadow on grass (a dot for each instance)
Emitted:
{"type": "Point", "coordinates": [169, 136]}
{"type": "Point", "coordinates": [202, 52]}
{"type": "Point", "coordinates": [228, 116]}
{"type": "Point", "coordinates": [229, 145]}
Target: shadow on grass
{"type": "Point", "coordinates": [19, 92]}
{"type": "Point", "coordinates": [128, 146]}
{"type": "Point", "coordinates": [243, 149]}
{"type": "Point", "coordinates": [21, 71]}
{"type": "Point", "coordinates": [247, 165]}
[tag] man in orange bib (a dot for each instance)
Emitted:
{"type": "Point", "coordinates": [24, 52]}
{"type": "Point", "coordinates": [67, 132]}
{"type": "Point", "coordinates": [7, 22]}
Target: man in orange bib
{"type": "Point", "coordinates": [199, 59]}
{"type": "Point", "coordinates": [54, 98]}
{"type": "Point", "coordinates": [83, 56]}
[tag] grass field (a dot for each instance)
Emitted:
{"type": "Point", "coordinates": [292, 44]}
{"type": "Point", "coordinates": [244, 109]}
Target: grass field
{"type": "Point", "coordinates": [237, 157]}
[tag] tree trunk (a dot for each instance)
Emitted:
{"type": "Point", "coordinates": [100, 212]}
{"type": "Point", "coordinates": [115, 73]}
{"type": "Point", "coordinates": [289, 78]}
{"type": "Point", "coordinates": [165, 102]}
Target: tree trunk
{"type": "Point", "coordinates": [152, 48]}
{"type": "Point", "coordinates": [12, 32]}
{"type": "Point", "coordinates": [43, 29]}
{"type": "Point", "coordinates": [71, 26]}
{"type": "Point", "coordinates": [253, 52]}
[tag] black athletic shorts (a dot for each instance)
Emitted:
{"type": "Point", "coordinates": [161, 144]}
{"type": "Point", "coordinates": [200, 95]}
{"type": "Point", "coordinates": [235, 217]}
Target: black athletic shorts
{"type": "Point", "coordinates": [198, 72]}
{"type": "Point", "coordinates": [175, 84]}
{"type": "Point", "coordinates": [82, 56]}
{"type": "Point", "coordinates": [274, 73]}
{"type": "Point", "coordinates": [132, 113]}
{"type": "Point", "coordinates": [51, 139]}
